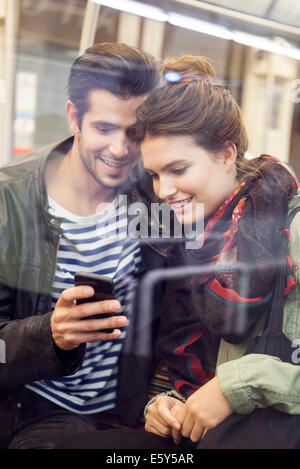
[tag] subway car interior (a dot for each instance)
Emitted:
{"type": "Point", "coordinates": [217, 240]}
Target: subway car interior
{"type": "Point", "coordinates": [254, 49]}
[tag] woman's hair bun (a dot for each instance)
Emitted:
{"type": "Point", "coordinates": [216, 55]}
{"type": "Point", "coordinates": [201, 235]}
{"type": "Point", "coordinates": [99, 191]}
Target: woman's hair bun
{"type": "Point", "coordinates": [187, 67]}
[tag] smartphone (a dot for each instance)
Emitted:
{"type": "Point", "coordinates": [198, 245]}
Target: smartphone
{"type": "Point", "coordinates": [104, 290]}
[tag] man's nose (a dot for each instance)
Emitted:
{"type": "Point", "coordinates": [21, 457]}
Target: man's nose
{"type": "Point", "coordinates": [119, 146]}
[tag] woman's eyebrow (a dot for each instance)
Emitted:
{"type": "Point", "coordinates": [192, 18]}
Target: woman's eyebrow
{"type": "Point", "coordinates": [172, 163]}
{"type": "Point", "coordinates": [168, 166]}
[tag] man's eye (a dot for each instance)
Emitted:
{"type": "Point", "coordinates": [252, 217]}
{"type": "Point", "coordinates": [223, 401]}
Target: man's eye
{"type": "Point", "coordinates": [105, 130]}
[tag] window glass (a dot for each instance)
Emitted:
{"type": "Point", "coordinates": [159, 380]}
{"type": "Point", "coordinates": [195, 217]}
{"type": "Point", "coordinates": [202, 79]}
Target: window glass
{"type": "Point", "coordinates": [48, 43]}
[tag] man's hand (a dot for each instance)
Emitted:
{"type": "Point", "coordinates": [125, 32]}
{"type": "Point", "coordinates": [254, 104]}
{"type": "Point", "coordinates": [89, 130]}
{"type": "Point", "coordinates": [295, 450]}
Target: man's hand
{"type": "Point", "coordinates": [68, 329]}
{"type": "Point", "coordinates": [160, 418]}
{"type": "Point", "coordinates": [204, 409]}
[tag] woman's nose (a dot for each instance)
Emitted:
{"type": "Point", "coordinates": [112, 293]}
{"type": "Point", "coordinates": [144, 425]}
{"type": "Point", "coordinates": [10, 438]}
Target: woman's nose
{"type": "Point", "coordinates": [165, 188]}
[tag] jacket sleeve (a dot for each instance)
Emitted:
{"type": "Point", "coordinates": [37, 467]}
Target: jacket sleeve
{"type": "Point", "coordinates": [257, 380]}
{"type": "Point", "coordinates": [28, 352]}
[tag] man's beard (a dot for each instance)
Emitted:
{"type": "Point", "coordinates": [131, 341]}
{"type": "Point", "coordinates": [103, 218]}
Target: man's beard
{"type": "Point", "coordinates": [87, 162]}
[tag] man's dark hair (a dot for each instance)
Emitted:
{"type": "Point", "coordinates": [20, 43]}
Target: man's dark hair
{"type": "Point", "coordinates": [118, 68]}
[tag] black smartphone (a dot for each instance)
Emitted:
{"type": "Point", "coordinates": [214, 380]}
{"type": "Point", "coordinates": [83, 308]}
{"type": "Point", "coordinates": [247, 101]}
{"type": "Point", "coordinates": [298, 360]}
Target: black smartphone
{"type": "Point", "coordinates": [104, 290]}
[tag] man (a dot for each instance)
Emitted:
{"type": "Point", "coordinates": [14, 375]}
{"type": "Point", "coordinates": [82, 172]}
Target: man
{"type": "Point", "coordinates": [62, 375]}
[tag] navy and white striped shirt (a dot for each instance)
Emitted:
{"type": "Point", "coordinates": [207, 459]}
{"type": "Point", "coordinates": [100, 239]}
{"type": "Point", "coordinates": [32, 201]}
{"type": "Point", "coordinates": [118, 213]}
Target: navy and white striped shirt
{"type": "Point", "coordinates": [97, 244]}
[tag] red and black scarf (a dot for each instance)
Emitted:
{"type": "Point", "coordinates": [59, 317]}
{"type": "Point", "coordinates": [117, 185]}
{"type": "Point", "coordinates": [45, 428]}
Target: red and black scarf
{"type": "Point", "coordinates": [227, 301]}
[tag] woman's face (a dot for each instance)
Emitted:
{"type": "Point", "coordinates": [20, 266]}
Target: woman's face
{"type": "Point", "coordinates": [185, 174]}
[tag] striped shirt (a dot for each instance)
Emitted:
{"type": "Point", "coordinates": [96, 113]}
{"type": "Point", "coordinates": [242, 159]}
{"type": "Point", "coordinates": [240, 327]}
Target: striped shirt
{"type": "Point", "coordinates": [97, 244]}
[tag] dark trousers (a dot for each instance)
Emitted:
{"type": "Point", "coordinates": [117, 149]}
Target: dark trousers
{"type": "Point", "coordinates": [117, 439]}
{"type": "Point", "coordinates": [33, 422]}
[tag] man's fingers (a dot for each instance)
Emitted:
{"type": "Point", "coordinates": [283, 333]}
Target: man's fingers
{"type": "Point", "coordinates": [67, 325]}
{"type": "Point", "coordinates": [68, 309]}
{"type": "Point", "coordinates": [68, 296]}
{"type": "Point", "coordinates": [73, 339]}
{"type": "Point", "coordinates": [91, 325]}
{"type": "Point", "coordinates": [85, 310]}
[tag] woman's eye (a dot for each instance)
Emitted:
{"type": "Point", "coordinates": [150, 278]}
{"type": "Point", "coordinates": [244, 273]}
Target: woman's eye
{"type": "Point", "coordinates": [179, 170]}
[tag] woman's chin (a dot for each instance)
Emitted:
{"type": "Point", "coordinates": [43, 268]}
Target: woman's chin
{"type": "Point", "coordinates": [191, 214]}
{"type": "Point", "coordinates": [186, 219]}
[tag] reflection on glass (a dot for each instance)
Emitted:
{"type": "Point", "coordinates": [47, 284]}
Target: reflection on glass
{"type": "Point", "coordinates": [48, 43]}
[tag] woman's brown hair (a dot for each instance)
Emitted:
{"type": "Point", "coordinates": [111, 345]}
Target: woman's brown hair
{"type": "Point", "coordinates": [196, 106]}
{"type": "Point", "coordinates": [189, 66]}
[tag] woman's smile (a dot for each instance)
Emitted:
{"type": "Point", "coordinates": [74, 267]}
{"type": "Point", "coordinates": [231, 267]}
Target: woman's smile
{"type": "Point", "coordinates": [185, 182]}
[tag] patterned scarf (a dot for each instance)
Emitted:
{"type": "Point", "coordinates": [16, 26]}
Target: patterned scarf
{"type": "Point", "coordinates": [226, 301]}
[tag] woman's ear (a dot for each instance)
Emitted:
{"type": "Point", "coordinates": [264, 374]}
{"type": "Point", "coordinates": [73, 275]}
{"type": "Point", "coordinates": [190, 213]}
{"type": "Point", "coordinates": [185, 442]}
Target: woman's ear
{"type": "Point", "coordinates": [229, 154]}
{"type": "Point", "coordinates": [72, 114]}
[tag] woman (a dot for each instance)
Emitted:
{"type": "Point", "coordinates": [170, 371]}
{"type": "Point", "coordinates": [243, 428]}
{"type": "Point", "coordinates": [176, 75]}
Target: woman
{"type": "Point", "coordinates": [193, 144]}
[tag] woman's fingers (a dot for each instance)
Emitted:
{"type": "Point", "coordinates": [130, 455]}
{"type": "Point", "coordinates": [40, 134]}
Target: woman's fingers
{"type": "Point", "coordinates": [160, 418]}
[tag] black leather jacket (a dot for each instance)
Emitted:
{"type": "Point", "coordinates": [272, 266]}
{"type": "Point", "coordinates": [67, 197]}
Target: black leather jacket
{"type": "Point", "coordinates": [29, 240]}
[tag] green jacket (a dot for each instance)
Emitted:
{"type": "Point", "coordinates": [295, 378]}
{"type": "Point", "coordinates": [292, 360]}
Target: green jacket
{"type": "Point", "coordinates": [256, 380]}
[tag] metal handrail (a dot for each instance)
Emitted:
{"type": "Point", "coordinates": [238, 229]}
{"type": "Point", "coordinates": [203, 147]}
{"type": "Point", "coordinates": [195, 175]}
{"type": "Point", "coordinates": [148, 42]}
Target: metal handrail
{"type": "Point", "coordinates": [152, 278]}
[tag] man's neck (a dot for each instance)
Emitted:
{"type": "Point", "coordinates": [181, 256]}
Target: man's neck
{"type": "Point", "coordinates": [74, 189]}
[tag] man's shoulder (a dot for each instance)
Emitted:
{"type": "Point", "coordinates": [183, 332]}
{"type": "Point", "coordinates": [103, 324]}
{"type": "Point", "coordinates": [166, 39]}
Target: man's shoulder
{"type": "Point", "coordinates": [19, 168]}
{"type": "Point", "coordinates": [29, 165]}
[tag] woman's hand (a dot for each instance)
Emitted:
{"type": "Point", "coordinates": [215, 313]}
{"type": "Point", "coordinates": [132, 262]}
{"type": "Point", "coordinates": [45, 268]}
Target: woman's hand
{"type": "Point", "coordinates": [160, 418]}
{"type": "Point", "coordinates": [204, 409]}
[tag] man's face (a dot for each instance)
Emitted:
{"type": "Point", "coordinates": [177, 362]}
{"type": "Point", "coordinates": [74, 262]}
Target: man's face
{"type": "Point", "coordinates": [104, 149]}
